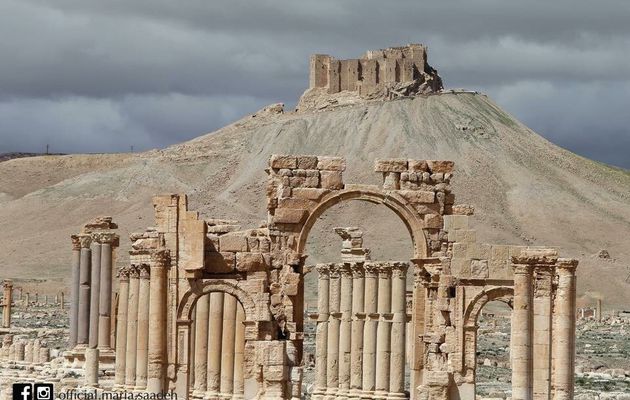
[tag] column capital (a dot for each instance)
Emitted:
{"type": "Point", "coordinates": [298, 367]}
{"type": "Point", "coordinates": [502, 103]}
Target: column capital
{"type": "Point", "coordinates": [134, 272]}
{"type": "Point", "coordinates": [123, 274]}
{"type": "Point", "coordinates": [566, 266]}
{"type": "Point", "coordinates": [323, 270]}
{"type": "Point", "coordinates": [144, 271]}
{"type": "Point", "coordinates": [358, 270]}
{"type": "Point", "coordinates": [399, 269]}
{"type": "Point", "coordinates": [85, 241]}
{"type": "Point", "coordinates": [76, 242]}
{"type": "Point", "coordinates": [333, 270]}
{"type": "Point", "coordinates": [384, 270]}
{"type": "Point", "coordinates": [536, 256]}
{"type": "Point", "coordinates": [523, 269]}
{"type": "Point", "coordinates": [345, 270]}
{"type": "Point", "coordinates": [161, 258]}
{"type": "Point", "coordinates": [106, 238]}
{"type": "Point", "coordinates": [371, 269]}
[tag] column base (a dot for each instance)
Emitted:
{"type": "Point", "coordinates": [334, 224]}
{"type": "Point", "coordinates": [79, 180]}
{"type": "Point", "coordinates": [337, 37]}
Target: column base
{"type": "Point", "coordinates": [354, 394]}
{"type": "Point", "coordinates": [380, 395]}
{"type": "Point", "coordinates": [397, 396]}
{"type": "Point", "coordinates": [367, 394]}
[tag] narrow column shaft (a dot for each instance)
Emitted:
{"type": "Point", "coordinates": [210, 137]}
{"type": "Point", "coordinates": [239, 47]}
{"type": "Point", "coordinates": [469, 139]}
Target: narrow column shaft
{"type": "Point", "coordinates": [95, 289]}
{"type": "Point", "coordinates": [239, 353]}
{"type": "Point", "coordinates": [157, 323]}
{"type": "Point", "coordinates": [332, 358]}
{"type": "Point", "coordinates": [8, 302]}
{"type": "Point", "coordinates": [142, 345]}
{"type": "Point", "coordinates": [345, 329]}
{"type": "Point", "coordinates": [84, 291]}
{"type": "Point", "coordinates": [383, 337]}
{"type": "Point", "coordinates": [132, 328]}
{"type": "Point", "coordinates": [370, 329]}
{"type": "Point", "coordinates": [201, 346]}
{"type": "Point", "coordinates": [214, 343]}
{"type": "Point", "coordinates": [121, 328]}
{"type": "Point", "coordinates": [564, 330]}
{"type": "Point", "coordinates": [358, 318]}
{"type": "Point", "coordinates": [91, 367]}
{"type": "Point", "coordinates": [105, 299]}
{"type": "Point", "coordinates": [398, 336]}
{"type": "Point", "coordinates": [321, 334]}
{"type": "Point", "coordinates": [522, 326]}
{"type": "Point", "coordinates": [227, 346]}
{"type": "Point", "coordinates": [542, 332]}
{"type": "Point", "coordinates": [74, 290]}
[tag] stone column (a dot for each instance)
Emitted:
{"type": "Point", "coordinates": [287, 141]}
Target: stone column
{"type": "Point", "coordinates": [321, 334]}
{"type": "Point", "coordinates": [345, 329]}
{"type": "Point", "coordinates": [157, 322]}
{"type": "Point", "coordinates": [95, 290]}
{"type": "Point", "coordinates": [83, 334]}
{"type": "Point", "coordinates": [383, 337]}
{"type": "Point", "coordinates": [239, 353]}
{"type": "Point", "coordinates": [91, 367]}
{"type": "Point", "coordinates": [201, 346]}
{"type": "Point", "coordinates": [227, 346]}
{"type": "Point", "coordinates": [121, 328]}
{"type": "Point", "coordinates": [522, 330]}
{"type": "Point", "coordinates": [399, 327]}
{"type": "Point", "coordinates": [542, 331]}
{"type": "Point", "coordinates": [75, 266]}
{"type": "Point", "coordinates": [105, 299]}
{"type": "Point", "coordinates": [142, 346]}
{"type": "Point", "coordinates": [564, 330]}
{"type": "Point", "coordinates": [598, 311]}
{"type": "Point", "coordinates": [215, 339]}
{"type": "Point", "coordinates": [8, 300]}
{"type": "Point", "coordinates": [62, 300]}
{"type": "Point", "coordinates": [132, 328]}
{"type": "Point", "coordinates": [332, 347]}
{"type": "Point", "coordinates": [358, 320]}
{"type": "Point", "coordinates": [370, 329]}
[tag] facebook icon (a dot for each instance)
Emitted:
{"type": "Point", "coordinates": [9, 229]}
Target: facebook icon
{"type": "Point", "coordinates": [22, 391]}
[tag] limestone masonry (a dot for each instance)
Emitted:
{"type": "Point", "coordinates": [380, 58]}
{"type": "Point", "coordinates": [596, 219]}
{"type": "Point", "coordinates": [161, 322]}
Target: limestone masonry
{"type": "Point", "coordinates": [376, 71]}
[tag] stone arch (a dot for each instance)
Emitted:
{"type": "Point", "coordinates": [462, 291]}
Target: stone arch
{"type": "Point", "coordinates": [394, 202]}
{"type": "Point", "coordinates": [500, 293]}
{"type": "Point", "coordinates": [199, 288]}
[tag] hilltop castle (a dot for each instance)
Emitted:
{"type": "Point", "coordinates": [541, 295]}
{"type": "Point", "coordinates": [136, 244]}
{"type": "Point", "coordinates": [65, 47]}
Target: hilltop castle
{"type": "Point", "coordinates": [376, 71]}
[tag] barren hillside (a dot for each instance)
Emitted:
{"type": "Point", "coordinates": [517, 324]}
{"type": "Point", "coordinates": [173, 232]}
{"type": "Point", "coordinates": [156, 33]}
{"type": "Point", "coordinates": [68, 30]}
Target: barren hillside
{"type": "Point", "coordinates": [525, 189]}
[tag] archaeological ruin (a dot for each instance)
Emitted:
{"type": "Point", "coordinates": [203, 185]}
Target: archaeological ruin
{"type": "Point", "coordinates": [212, 311]}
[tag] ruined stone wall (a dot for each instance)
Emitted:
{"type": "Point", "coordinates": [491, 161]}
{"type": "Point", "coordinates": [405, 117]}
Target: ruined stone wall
{"type": "Point", "coordinates": [373, 71]}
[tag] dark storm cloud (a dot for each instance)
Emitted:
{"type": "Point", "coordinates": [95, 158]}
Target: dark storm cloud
{"type": "Point", "coordinates": [94, 75]}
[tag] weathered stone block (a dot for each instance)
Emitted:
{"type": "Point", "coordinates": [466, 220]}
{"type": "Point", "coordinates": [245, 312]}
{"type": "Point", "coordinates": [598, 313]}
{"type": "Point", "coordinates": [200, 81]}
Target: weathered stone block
{"type": "Point", "coordinates": [296, 202]}
{"type": "Point", "coordinates": [418, 196]}
{"type": "Point", "coordinates": [436, 166]}
{"type": "Point", "coordinates": [390, 165]}
{"type": "Point", "coordinates": [418, 166]}
{"type": "Point", "coordinates": [250, 262]}
{"type": "Point", "coordinates": [282, 161]}
{"type": "Point", "coordinates": [463, 209]}
{"type": "Point", "coordinates": [452, 222]}
{"type": "Point", "coordinates": [391, 180]}
{"type": "Point", "coordinates": [309, 193]}
{"type": "Point", "coordinates": [479, 269]}
{"type": "Point", "coordinates": [307, 162]}
{"type": "Point", "coordinates": [465, 235]}
{"type": "Point", "coordinates": [289, 216]}
{"type": "Point", "coordinates": [233, 242]}
{"type": "Point", "coordinates": [433, 221]}
{"type": "Point", "coordinates": [331, 163]}
{"type": "Point", "coordinates": [220, 263]}
{"type": "Point", "coordinates": [332, 180]}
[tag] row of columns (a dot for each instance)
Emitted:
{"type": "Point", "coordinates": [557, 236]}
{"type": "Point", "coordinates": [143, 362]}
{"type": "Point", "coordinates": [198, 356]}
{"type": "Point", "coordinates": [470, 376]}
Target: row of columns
{"type": "Point", "coordinates": [141, 326]}
{"type": "Point", "coordinates": [218, 347]}
{"type": "Point", "coordinates": [7, 303]}
{"type": "Point", "coordinates": [360, 336]}
{"type": "Point", "coordinates": [543, 327]}
{"type": "Point", "coordinates": [91, 290]}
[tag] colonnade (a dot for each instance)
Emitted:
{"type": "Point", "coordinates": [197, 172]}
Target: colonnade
{"type": "Point", "coordinates": [91, 290]}
{"type": "Point", "coordinates": [543, 327]}
{"type": "Point", "coordinates": [218, 347]}
{"type": "Point", "coordinates": [360, 336]}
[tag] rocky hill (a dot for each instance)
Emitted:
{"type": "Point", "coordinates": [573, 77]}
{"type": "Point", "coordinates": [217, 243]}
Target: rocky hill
{"type": "Point", "coordinates": [525, 189]}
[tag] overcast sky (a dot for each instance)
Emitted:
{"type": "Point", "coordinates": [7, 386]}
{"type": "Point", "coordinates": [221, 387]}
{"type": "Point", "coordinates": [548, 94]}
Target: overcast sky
{"type": "Point", "coordinates": [101, 76]}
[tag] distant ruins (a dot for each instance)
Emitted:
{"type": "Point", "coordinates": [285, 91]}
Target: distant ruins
{"type": "Point", "coordinates": [402, 69]}
{"type": "Point", "coordinates": [212, 311]}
